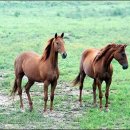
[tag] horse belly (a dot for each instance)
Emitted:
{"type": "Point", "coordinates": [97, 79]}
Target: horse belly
{"type": "Point", "coordinates": [88, 68]}
{"type": "Point", "coordinates": [32, 75]}
{"type": "Point", "coordinates": [31, 70]}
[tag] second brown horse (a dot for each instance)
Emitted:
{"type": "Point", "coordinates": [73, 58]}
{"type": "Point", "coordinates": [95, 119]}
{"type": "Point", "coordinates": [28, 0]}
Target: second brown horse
{"type": "Point", "coordinates": [96, 64]}
{"type": "Point", "coordinates": [39, 69]}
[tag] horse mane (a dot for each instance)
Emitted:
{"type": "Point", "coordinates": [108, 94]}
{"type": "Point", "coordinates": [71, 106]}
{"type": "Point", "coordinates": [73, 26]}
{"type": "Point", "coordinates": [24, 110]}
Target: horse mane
{"type": "Point", "coordinates": [47, 50]}
{"type": "Point", "coordinates": [103, 51]}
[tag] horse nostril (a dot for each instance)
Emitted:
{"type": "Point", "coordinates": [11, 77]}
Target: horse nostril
{"type": "Point", "coordinates": [64, 55]}
{"type": "Point", "coordinates": [125, 66]}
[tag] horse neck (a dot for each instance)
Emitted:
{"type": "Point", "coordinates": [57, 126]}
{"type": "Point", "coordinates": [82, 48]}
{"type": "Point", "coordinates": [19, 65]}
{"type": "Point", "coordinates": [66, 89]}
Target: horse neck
{"type": "Point", "coordinates": [53, 58]}
{"type": "Point", "coordinates": [107, 59]}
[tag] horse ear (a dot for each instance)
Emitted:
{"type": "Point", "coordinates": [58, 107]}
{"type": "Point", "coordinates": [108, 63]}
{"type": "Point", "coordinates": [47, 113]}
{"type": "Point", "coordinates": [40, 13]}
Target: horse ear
{"type": "Point", "coordinates": [125, 45]}
{"type": "Point", "coordinates": [55, 35]}
{"type": "Point", "coordinates": [62, 35]}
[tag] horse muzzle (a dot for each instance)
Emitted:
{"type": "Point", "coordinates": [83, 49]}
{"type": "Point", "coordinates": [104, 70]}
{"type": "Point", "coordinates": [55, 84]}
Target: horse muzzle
{"type": "Point", "coordinates": [64, 55]}
{"type": "Point", "coordinates": [125, 66]}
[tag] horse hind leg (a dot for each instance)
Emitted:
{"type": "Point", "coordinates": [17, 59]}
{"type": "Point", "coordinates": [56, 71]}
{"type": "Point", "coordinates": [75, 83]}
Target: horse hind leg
{"type": "Point", "coordinates": [19, 81]}
{"type": "Point", "coordinates": [94, 93]}
{"type": "Point", "coordinates": [82, 76]}
{"type": "Point", "coordinates": [27, 88]}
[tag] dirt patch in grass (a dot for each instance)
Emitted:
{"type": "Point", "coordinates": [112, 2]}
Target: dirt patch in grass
{"type": "Point", "coordinates": [4, 100]}
{"type": "Point", "coordinates": [66, 111]}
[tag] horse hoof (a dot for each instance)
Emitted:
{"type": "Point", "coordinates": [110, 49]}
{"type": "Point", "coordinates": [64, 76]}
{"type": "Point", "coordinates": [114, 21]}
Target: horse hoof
{"type": "Point", "coordinates": [51, 110]}
{"type": "Point", "coordinates": [100, 108]}
{"type": "Point", "coordinates": [44, 110]}
{"type": "Point", "coordinates": [94, 105]}
{"type": "Point", "coordinates": [22, 109]}
{"type": "Point", "coordinates": [30, 109]}
{"type": "Point", "coordinates": [107, 109]}
{"type": "Point", "coordinates": [81, 105]}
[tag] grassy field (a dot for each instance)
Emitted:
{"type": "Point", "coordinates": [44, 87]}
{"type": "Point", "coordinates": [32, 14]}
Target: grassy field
{"type": "Point", "coordinates": [28, 26]}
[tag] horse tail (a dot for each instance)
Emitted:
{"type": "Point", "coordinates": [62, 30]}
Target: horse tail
{"type": "Point", "coordinates": [76, 80]}
{"type": "Point", "coordinates": [14, 87]}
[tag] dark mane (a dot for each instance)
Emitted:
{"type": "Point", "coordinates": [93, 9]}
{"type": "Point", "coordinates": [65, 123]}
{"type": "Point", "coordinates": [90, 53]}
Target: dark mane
{"type": "Point", "coordinates": [103, 51]}
{"type": "Point", "coordinates": [47, 50]}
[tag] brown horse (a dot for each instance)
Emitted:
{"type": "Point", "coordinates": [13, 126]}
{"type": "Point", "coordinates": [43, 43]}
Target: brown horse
{"type": "Point", "coordinates": [39, 69]}
{"type": "Point", "coordinates": [97, 65]}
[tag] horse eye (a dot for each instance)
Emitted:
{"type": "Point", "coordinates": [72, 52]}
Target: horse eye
{"type": "Point", "coordinates": [123, 54]}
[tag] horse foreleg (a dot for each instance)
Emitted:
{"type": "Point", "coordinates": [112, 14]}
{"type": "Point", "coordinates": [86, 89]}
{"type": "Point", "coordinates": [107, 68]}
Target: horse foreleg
{"type": "Point", "coordinates": [82, 76]}
{"type": "Point", "coordinates": [27, 88]}
{"type": "Point", "coordinates": [100, 93]}
{"type": "Point", "coordinates": [108, 83]}
{"type": "Point", "coordinates": [46, 83]}
{"type": "Point", "coordinates": [53, 86]}
{"type": "Point", "coordinates": [94, 92]}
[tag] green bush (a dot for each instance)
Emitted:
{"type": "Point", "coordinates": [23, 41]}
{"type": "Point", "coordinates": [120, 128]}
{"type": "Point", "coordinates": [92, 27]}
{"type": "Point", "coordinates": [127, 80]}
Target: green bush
{"type": "Point", "coordinates": [17, 14]}
{"type": "Point", "coordinates": [117, 12]}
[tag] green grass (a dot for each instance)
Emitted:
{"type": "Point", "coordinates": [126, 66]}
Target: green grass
{"type": "Point", "coordinates": [29, 25]}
